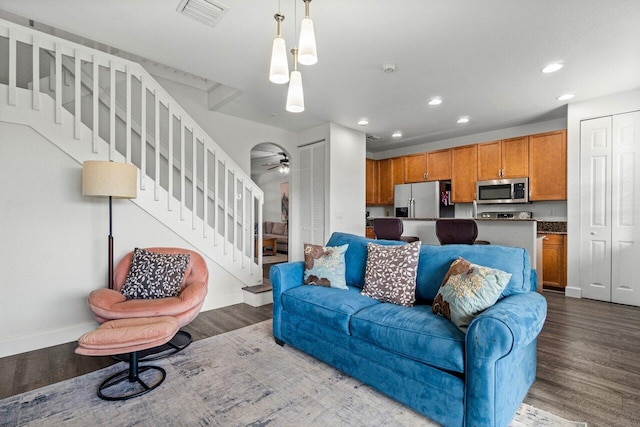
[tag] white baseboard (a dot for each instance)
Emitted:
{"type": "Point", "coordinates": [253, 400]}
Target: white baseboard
{"type": "Point", "coordinates": [573, 292]}
{"type": "Point", "coordinates": [22, 344]}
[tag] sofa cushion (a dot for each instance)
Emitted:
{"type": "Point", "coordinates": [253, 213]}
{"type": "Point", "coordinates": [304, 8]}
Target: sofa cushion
{"type": "Point", "coordinates": [468, 289]}
{"type": "Point", "coordinates": [390, 274]}
{"type": "Point", "coordinates": [327, 306]}
{"type": "Point", "coordinates": [414, 332]}
{"type": "Point", "coordinates": [324, 265]}
{"type": "Point", "coordinates": [268, 227]}
{"type": "Point", "coordinates": [356, 255]}
{"type": "Point", "coordinates": [435, 262]}
{"type": "Point", "coordinates": [279, 228]}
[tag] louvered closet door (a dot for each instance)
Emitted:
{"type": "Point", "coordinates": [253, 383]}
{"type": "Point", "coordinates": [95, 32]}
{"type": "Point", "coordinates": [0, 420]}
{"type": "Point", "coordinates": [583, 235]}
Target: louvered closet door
{"type": "Point", "coordinates": [312, 192]}
{"type": "Point", "coordinates": [625, 209]}
{"type": "Point", "coordinates": [595, 208]}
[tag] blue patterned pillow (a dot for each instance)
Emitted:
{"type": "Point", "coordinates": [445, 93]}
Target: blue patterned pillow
{"type": "Point", "coordinates": [325, 266]}
{"type": "Point", "coordinates": [468, 289]}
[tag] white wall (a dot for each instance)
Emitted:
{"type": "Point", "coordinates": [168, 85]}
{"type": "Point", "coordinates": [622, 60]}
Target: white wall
{"type": "Point", "coordinates": [54, 244]}
{"type": "Point", "coordinates": [347, 151]}
{"type": "Point", "coordinates": [270, 182]}
{"type": "Point", "coordinates": [578, 111]}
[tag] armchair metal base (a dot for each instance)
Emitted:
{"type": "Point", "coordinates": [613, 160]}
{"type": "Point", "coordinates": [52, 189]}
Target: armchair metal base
{"type": "Point", "coordinates": [128, 383]}
{"type": "Point", "coordinates": [179, 342]}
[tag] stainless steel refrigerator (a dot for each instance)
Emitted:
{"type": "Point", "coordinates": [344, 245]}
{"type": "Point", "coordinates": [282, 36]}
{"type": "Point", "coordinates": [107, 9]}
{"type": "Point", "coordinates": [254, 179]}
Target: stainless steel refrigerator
{"type": "Point", "coordinates": [420, 200]}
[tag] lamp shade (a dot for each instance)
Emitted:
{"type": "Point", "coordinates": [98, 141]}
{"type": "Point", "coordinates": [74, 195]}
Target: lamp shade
{"type": "Point", "coordinates": [307, 52]}
{"type": "Point", "coordinates": [104, 179]}
{"type": "Point", "coordinates": [295, 96]}
{"type": "Point", "coordinates": [279, 70]}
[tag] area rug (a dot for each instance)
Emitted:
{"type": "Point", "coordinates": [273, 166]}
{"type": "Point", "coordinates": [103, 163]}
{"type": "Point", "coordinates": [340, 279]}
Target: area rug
{"type": "Point", "coordinates": [241, 378]}
{"type": "Point", "coordinates": [274, 259]}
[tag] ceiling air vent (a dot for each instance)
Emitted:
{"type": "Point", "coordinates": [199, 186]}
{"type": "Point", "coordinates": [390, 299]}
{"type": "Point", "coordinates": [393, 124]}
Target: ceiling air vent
{"type": "Point", "coordinates": [372, 138]}
{"type": "Point", "coordinates": [205, 11]}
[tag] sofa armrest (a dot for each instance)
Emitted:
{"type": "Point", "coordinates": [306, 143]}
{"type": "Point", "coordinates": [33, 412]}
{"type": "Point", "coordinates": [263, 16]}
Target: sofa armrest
{"type": "Point", "coordinates": [513, 321]}
{"type": "Point", "coordinates": [500, 358]}
{"type": "Point", "coordinates": [283, 277]}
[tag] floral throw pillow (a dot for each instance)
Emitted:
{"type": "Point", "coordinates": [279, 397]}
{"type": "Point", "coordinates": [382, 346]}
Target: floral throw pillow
{"type": "Point", "coordinates": [468, 289]}
{"type": "Point", "coordinates": [154, 275]}
{"type": "Point", "coordinates": [325, 266]}
{"type": "Point", "coordinates": [390, 273]}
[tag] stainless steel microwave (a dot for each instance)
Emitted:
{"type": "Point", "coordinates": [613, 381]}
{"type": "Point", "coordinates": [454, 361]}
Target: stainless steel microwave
{"type": "Point", "coordinates": [514, 190]}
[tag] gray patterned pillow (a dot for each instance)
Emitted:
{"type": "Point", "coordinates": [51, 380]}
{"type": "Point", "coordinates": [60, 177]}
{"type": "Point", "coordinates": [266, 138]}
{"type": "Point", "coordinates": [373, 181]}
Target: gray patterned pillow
{"type": "Point", "coordinates": [154, 275]}
{"type": "Point", "coordinates": [390, 274]}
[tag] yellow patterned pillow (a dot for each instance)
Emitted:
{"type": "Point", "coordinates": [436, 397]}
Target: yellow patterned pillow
{"type": "Point", "coordinates": [468, 289]}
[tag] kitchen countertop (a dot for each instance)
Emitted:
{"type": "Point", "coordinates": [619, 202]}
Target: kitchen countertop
{"type": "Point", "coordinates": [552, 227]}
{"type": "Point", "coordinates": [477, 219]}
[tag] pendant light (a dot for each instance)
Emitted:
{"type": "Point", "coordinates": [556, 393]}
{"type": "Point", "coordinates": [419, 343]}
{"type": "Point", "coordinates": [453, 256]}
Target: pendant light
{"type": "Point", "coordinates": [308, 54]}
{"type": "Point", "coordinates": [295, 95]}
{"type": "Point", "coordinates": [279, 70]}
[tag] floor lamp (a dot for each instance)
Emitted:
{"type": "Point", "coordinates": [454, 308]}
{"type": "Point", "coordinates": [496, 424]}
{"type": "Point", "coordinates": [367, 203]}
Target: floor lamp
{"type": "Point", "coordinates": [109, 179]}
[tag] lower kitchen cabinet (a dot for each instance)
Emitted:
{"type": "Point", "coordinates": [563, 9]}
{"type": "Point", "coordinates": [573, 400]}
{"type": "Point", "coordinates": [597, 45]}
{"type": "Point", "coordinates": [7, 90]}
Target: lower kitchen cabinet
{"type": "Point", "coordinates": [554, 260]}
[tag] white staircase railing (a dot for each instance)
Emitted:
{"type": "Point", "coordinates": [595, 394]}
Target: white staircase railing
{"type": "Point", "coordinates": [109, 108]}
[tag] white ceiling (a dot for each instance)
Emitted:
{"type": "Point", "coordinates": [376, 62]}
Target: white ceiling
{"type": "Point", "coordinates": [482, 57]}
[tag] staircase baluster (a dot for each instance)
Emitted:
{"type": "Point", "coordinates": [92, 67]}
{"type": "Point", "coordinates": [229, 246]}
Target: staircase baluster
{"type": "Point", "coordinates": [77, 110]}
{"type": "Point", "coordinates": [58, 88]}
{"type": "Point", "coordinates": [182, 175]}
{"type": "Point", "coordinates": [13, 67]}
{"type": "Point", "coordinates": [226, 206]}
{"type": "Point", "coordinates": [156, 177]}
{"type": "Point", "coordinates": [216, 183]}
{"type": "Point", "coordinates": [95, 95]}
{"type": "Point", "coordinates": [112, 110]}
{"type": "Point", "coordinates": [170, 161]}
{"type": "Point", "coordinates": [35, 55]}
{"type": "Point", "coordinates": [194, 180]}
{"type": "Point", "coordinates": [143, 133]}
{"type": "Point", "coordinates": [205, 190]}
{"type": "Point", "coordinates": [128, 119]}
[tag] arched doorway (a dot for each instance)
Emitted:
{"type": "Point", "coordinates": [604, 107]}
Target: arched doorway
{"type": "Point", "coordinates": [270, 170]}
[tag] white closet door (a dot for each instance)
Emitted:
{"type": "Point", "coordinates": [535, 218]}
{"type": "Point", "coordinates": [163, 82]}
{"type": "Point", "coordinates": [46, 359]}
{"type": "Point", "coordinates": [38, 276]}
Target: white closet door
{"type": "Point", "coordinates": [595, 208]}
{"type": "Point", "coordinates": [312, 193]}
{"type": "Point", "coordinates": [625, 202]}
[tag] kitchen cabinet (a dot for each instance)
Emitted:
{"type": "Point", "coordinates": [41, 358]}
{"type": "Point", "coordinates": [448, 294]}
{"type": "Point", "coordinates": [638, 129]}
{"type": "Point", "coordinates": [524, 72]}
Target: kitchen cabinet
{"type": "Point", "coordinates": [508, 158]}
{"type": "Point", "coordinates": [548, 166]}
{"type": "Point", "coordinates": [439, 165]}
{"type": "Point", "coordinates": [415, 167]}
{"type": "Point", "coordinates": [371, 181]}
{"type": "Point", "coordinates": [464, 165]}
{"type": "Point", "coordinates": [385, 183]}
{"type": "Point", "coordinates": [368, 233]}
{"type": "Point", "coordinates": [397, 170]}
{"type": "Point", "coordinates": [554, 260]}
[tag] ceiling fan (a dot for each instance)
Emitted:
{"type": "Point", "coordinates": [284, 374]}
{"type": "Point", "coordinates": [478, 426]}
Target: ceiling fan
{"type": "Point", "coordinates": [283, 164]}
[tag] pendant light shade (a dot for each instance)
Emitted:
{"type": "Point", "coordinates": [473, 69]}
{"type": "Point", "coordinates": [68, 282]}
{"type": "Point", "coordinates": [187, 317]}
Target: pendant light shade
{"type": "Point", "coordinates": [308, 54]}
{"type": "Point", "coordinates": [279, 69]}
{"type": "Point", "coordinates": [295, 95]}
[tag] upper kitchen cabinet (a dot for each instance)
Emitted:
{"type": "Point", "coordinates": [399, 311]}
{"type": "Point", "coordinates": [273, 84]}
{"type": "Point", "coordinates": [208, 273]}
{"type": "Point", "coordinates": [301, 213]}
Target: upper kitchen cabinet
{"type": "Point", "coordinates": [385, 183]}
{"type": "Point", "coordinates": [397, 170]}
{"type": "Point", "coordinates": [548, 166]}
{"type": "Point", "coordinates": [415, 167]}
{"type": "Point", "coordinates": [439, 165]}
{"type": "Point", "coordinates": [464, 162]}
{"type": "Point", "coordinates": [508, 158]}
{"type": "Point", "coordinates": [371, 182]}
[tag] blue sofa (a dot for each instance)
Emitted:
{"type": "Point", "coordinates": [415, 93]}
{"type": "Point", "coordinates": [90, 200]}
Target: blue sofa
{"type": "Point", "coordinates": [410, 354]}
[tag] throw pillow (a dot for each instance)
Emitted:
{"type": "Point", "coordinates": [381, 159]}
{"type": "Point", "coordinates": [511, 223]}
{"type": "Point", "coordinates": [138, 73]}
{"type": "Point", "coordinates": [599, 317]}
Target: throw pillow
{"type": "Point", "coordinates": [325, 266]}
{"type": "Point", "coordinates": [154, 275]}
{"type": "Point", "coordinates": [278, 228]}
{"type": "Point", "coordinates": [390, 273]}
{"type": "Point", "coordinates": [468, 289]}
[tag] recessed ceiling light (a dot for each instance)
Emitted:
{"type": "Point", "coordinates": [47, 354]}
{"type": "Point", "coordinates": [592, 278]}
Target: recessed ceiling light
{"type": "Point", "coordinates": [435, 101]}
{"type": "Point", "coordinates": [363, 122]}
{"type": "Point", "coordinates": [463, 120]}
{"type": "Point", "coordinates": [397, 134]}
{"type": "Point", "coordinates": [565, 97]}
{"type": "Point", "coordinates": [552, 67]}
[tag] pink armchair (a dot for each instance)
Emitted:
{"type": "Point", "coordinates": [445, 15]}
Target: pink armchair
{"type": "Point", "coordinates": [110, 304]}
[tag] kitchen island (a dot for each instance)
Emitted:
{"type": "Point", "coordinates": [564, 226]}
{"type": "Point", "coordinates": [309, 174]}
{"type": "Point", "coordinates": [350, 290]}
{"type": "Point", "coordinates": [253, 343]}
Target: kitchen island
{"type": "Point", "coordinates": [520, 233]}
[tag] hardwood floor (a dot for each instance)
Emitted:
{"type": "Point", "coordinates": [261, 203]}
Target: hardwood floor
{"type": "Point", "coordinates": [588, 359]}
